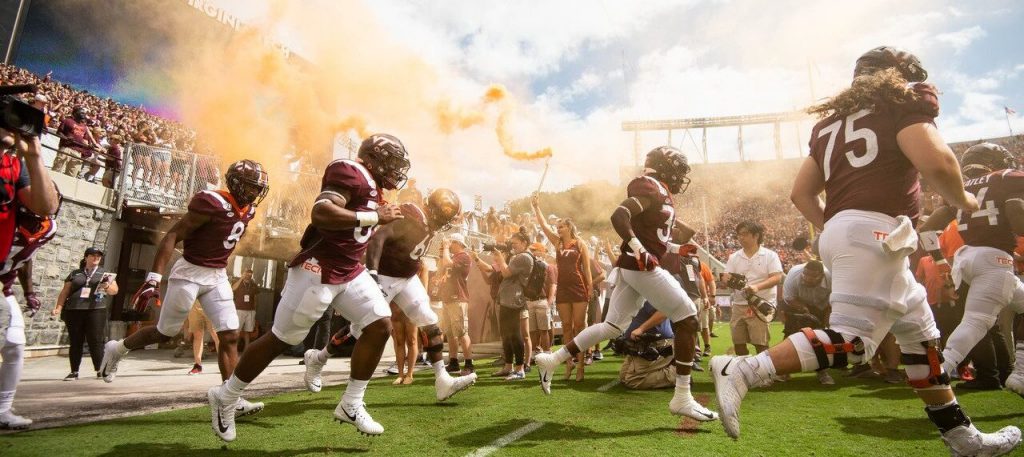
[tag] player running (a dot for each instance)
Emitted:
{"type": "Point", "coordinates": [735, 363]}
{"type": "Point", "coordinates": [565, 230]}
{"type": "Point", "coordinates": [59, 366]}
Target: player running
{"type": "Point", "coordinates": [866, 153]}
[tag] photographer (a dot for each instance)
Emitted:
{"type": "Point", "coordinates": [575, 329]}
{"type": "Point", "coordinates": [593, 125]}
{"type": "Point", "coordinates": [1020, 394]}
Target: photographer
{"type": "Point", "coordinates": [647, 346]}
{"type": "Point", "coordinates": [512, 302]}
{"type": "Point", "coordinates": [806, 293]}
{"type": "Point", "coordinates": [763, 271]}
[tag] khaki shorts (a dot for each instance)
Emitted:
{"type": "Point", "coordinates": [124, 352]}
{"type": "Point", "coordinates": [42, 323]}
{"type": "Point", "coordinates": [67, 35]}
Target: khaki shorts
{"type": "Point", "coordinates": [702, 313]}
{"type": "Point", "coordinates": [246, 320]}
{"type": "Point", "coordinates": [197, 321]}
{"type": "Point", "coordinates": [540, 315]}
{"type": "Point", "coordinates": [746, 327]}
{"type": "Point", "coordinates": [455, 318]}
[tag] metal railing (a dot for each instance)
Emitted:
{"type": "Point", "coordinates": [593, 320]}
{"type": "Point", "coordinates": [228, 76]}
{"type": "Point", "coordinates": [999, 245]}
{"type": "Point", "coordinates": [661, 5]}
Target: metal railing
{"type": "Point", "coordinates": [164, 178]}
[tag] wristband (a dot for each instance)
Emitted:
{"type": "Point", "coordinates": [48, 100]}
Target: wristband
{"type": "Point", "coordinates": [367, 218]}
{"type": "Point", "coordinates": [155, 277]}
{"type": "Point", "coordinates": [672, 247]}
{"type": "Point", "coordinates": [635, 245]}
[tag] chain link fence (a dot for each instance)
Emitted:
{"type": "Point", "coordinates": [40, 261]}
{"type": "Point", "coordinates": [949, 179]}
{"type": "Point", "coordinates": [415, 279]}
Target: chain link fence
{"type": "Point", "coordinates": [164, 178]}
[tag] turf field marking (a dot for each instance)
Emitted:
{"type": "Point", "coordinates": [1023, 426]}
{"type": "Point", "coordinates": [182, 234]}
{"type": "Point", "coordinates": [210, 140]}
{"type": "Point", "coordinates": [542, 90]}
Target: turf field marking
{"type": "Point", "coordinates": [608, 386]}
{"type": "Point", "coordinates": [506, 440]}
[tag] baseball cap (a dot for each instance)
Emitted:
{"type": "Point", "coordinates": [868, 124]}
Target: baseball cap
{"type": "Point", "coordinates": [538, 247]}
{"type": "Point", "coordinates": [92, 251]}
{"type": "Point", "coordinates": [458, 238]}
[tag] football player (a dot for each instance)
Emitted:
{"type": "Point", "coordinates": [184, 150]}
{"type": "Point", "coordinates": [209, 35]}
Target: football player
{"type": "Point", "coordinates": [393, 260]}
{"type": "Point", "coordinates": [646, 221]}
{"type": "Point", "coordinates": [985, 261]}
{"type": "Point", "coordinates": [32, 232]}
{"type": "Point", "coordinates": [866, 152]}
{"type": "Point", "coordinates": [327, 272]}
{"type": "Point", "coordinates": [209, 231]}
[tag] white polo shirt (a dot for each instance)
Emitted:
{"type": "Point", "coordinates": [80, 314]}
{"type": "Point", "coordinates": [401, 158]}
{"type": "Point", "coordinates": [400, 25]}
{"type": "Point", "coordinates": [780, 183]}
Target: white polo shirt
{"type": "Point", "coordinates": [756, 268]}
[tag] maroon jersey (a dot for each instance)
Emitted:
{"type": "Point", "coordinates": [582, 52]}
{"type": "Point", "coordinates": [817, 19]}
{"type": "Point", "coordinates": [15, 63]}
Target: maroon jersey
{"type": "Point", "coordinates": [211, 244]}
{"type": "Point", "coordinates": [26, 243]}
{"type": "Point", "coordinates": [863, 166]}
{"type": "Point", "coordinates": [337, 254]}
{"type": "Point", "coordinates": [653, 226]}
{"type": "Point", "coordinates": [571, 286]}
{"type": "Point", "coordinates": [989, 225]}
{"type": "Point", "coordinates": [402, 251]}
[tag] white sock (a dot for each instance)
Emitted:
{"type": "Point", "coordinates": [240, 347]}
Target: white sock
{"type": "Point", "coordinates": [354, 391]}
{"type": "Point", "coordinates": [439, 370]}
{"type": "Point", "coordinates": [683, 387]}
{"type": "Point", "coordinates": [10, 370]}
{"type": "Point", "coordinates": [232, 389]}
{"type": "Point", "coordinates": [323, 355]}
{"type": "Point", "coordinates": [6, 399]}
{"type": "Point", "coordinates": [761, 369]}
{"type": "Point", "coordinates": [121, 348]}
{"type": "Point", "coordinates": [562, 354]}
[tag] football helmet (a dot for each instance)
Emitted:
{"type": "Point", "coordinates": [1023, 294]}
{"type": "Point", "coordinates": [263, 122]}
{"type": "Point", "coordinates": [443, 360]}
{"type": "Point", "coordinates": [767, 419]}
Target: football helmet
{"type": "Point", "coordinates": [442, 207]}
{"type": "Point", "coordinates": [386, 159]}
{"type": "Point", "coordinates": [669, 165]}
{"type": "Point", "coordinates": [884, 57]}
{"type": "Point", "coordinates": [248, 182]}
{"type": "Point", "coordinates": [985, 158]}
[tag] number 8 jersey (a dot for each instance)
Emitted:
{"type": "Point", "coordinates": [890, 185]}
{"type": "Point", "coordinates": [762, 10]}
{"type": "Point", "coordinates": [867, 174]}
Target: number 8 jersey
{"type": "Point", "coordinates": [211, 244]}
{"type": "Point", "coordinates": [861, 162]}
{"type": "Point", "coordinates": [337, 254]}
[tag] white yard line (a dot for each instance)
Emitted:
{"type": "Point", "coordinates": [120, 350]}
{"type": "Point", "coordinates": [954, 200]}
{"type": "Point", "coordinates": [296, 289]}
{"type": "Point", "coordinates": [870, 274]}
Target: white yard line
{"type": "Point", "coordinates": [506, 440]}
{"type": "Point", "coordinates": [608, 386]}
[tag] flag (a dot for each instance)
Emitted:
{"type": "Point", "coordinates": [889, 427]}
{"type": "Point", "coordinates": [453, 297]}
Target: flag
{"type": "Point", "coordinates": [1009, 110]}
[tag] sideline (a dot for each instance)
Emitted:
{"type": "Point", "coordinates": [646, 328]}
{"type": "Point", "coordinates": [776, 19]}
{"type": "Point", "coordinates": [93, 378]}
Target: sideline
{"type": "Point", "coordinates": [608, 386]}
{"type": "Point", "coordinates": [506, 440]}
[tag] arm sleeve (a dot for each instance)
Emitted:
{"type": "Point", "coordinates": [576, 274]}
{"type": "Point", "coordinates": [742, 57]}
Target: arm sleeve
{"type": "Point", "coordinates": [730, 265]}
{"type": "Point", "coordinates": [774, 264]}
{"type": "Point", "coordinates": [22, 181]}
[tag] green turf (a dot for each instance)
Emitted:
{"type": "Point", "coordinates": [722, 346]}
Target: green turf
{"type": "Point", "coordinates": [796, 418]}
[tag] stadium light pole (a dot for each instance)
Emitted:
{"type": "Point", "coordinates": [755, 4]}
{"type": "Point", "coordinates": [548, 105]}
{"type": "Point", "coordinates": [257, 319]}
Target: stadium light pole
{"type": "Point", "coordinates": [16, 29]}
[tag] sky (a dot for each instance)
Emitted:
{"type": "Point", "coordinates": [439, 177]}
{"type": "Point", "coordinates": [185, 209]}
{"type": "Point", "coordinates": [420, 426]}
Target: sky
{"type": "Point", "coordinates": [577, 69]}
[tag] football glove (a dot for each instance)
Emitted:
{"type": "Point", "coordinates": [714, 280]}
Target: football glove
{"type": "Point", "coordinates": [32, 303]}
{"type": "Point", "coordinates": [150, 290]}
{"type": "Point", "coordinates": [644, 260]}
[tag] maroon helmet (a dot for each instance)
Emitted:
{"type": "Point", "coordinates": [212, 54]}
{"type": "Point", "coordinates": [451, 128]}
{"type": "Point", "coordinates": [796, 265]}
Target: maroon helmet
{"type": "Point", "coordinates": [442, 207]}
{"type": "Point", "coordinates": [386, 159]}
{"type": "Point", "coordinates": [248, 182]}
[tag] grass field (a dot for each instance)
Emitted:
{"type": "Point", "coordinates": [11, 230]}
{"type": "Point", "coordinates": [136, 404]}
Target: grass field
{"type": "Point", "coordinates": [796, 418]}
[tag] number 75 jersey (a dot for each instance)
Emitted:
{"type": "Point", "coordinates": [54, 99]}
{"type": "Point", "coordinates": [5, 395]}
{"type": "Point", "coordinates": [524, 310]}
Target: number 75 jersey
{"type": "Point", "coordinates": [989, 226]}
{"type": "Point", "coordinates": [861, 162]}
{"type": "Point", "coordinates": [212, 243]}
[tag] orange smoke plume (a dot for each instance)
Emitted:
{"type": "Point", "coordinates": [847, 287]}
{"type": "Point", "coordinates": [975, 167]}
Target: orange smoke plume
{"type": "Point", "coordinates": [508, 146]}
{"type": "Point", "coordinates": [451, 118]}
{"type": "Point", "coordinates": [353, 123]}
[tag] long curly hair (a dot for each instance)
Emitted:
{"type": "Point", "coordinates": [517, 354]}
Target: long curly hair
{"type": "Point", "coordinates": [872, 92]}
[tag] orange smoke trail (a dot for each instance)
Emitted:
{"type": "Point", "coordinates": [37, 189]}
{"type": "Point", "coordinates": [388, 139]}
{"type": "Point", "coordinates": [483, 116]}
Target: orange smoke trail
{"type": "Point", "coordinates": [508, 146]}
{"type": "Point", "coordinates": [450, 119]}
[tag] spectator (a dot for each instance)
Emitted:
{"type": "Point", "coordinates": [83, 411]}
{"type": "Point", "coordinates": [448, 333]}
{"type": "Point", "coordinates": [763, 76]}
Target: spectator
{"type": "Point", "coordinates": [806, 292]}
{"type": "Point", "coordinates": [539, 308]}
{"type": "Point", "coordinates": [512, 304]}
{"type": "Point", "coordinates": [405, 338]}
{"type": "Point", "coordinates": [710, 306]}
{"type": "Point", "coordinates": [649, 330]}
{"type": "Point", "coordinates": [83, 309]}
{"type": "Point", "coordinates": [76, 142]}
{"type": "Point", "coordinates": [455, 302]}
{"type": "Point", "coordinates": [763, 271]}
{"type": "Point", "coordinates": [112, 165]}
{"type": "Point", "coordinates": [198, 325]}
{"type": "Point", "coordinates": [245, 290]}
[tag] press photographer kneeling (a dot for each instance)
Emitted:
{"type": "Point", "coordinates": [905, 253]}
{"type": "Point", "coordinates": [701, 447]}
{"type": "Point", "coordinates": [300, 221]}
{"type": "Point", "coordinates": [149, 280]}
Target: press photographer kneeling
{"type": "Point", "coordinates": [647, 346]}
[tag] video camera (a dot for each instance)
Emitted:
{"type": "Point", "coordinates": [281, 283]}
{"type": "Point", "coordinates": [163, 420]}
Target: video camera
{"type": "Point", "coordinates": [763, 309]}
{"type": "Point", "coordinates": [643, 347]}
{"type": "Point", "coordinates": [18, 116]}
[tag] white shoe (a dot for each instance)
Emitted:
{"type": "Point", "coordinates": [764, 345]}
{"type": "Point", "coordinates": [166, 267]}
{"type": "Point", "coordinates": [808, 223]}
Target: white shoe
{"type": "Point", "coordinates": [447, 386]}
{"type": "Point", "coordinates": [11, 421]}
{"type": "Point", "coordinates": [314, 367]}
{"type": "Point", "coordinates": [966, 441]}
{"type": "Point", "coordinates": [245, 407]}
{"type": "Point", "coordinates": [111, 357]}
{"type": "Point", "coordinates": [222, 416]}
{"type": "Point", "coordinates": [690, 408]}
{"type": "Point", "coordinates": [1015, 383]}
{"type": "Point", "coordinates": [546, 365]}
{"type": "Point", "coordinates": [357, 415]}
{"type": "Point", "coordinates": [730, 388]}
{"type": "Point", "coordinates": [825, 379]}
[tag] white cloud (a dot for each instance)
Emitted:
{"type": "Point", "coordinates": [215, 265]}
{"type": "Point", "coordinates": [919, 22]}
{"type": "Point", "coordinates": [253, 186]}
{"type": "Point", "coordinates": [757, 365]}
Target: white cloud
{"type": "Point", "coordinates": [961, 39]}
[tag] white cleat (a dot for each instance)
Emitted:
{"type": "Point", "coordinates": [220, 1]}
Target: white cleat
{"type": "Point", "coordinates": [447, 386]}
{"type": "Point", "coordinates": [11, 421]}
{"type": "Point", "coordinates": [730, 388]}
{"type": "Point", "coordinates": [965, 441]}
{"type": "Point", "coordinates": [546, 365]}
{"type": "Point", "coordinates": [222, 416]}
{"type": "Point", "coordinates": [1015, 383]}
{"type": "Point", "coordinates": [357, 416]}
{"type": "Point", "coordinates": [690, 408]}
{"type": "Point", "coordinates": [111, 357]}
{"type": "Point", "coordinates": [245, 407]}
{"type": "Point", "coordinates": [314, 367]}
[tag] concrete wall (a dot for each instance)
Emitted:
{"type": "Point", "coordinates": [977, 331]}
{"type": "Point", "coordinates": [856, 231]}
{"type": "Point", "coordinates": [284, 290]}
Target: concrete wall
{"type": "Point", "coordinates": [84, 221]}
